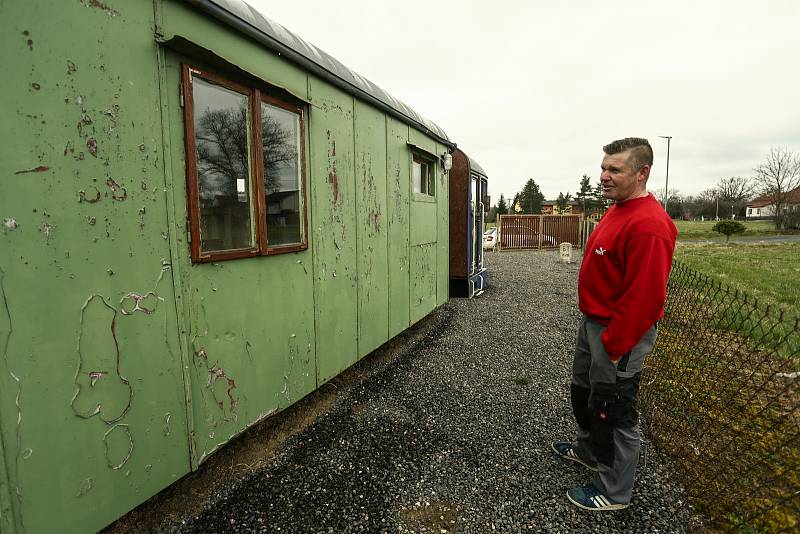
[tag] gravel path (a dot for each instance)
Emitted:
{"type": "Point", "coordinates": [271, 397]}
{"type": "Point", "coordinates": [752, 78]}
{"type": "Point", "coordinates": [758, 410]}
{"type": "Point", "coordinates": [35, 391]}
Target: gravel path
{"type": "Point", "coordinates": [452, 435]}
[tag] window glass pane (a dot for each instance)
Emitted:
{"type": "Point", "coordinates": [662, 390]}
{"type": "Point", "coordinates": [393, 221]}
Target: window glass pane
{"type": "Point", "coordinates": [280, 143]}
{"type": "Point", "coordinates": [222, 141]}
{"type": "Point", "coordinates": [428, 179]}
{"type": "Point", "coordinates": [421, 175]}
{"type": "Point", "coordinates": [416, 176]}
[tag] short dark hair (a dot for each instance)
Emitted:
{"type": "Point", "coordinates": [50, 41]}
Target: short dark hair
{"type": "Point", "coordinates": [641, 151]}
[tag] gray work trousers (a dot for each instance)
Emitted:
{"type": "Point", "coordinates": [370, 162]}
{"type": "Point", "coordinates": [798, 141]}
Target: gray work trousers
{"type": "Point", "coordinates": [604, 401]}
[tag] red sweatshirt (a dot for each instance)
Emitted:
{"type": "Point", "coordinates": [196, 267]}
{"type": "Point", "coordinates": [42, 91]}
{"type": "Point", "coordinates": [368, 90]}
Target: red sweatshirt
{"type": "Point", "coordinates": [623, 278]}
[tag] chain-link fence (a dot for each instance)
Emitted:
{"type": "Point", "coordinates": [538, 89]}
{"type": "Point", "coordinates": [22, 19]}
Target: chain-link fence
{"type": "Point", "coordinates": [721, 396]}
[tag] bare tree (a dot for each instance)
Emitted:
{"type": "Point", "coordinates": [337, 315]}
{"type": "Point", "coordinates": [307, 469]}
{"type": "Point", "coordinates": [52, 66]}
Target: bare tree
{"type": "Point", "coordinates": [673, 196]}
{"type": "Point", "coordinates": [734, 192]}
{"type": "Point", "coordinates": [661, 194]}
{"type": "Point", "coordinates": [708, 195]}
{"type": "Point", "coordinates": [279, 149]}
{"type": "Point", "coordinates": [699, 206]}
{"type": "Point", "coordinates": [708, 203]}
{"type": "Point", "coordinates": [776, 177]}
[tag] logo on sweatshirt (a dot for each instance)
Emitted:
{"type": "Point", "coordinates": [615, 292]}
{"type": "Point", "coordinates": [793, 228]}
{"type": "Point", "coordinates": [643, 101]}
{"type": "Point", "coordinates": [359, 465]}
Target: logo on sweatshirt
{"type": "Point", "coordinates": [600, 251]}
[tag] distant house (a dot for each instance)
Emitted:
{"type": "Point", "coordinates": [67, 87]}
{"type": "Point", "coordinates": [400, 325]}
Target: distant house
{"type": "Point", "coordinates": [574, 207]}
{"type": "Point", "coordinates": [764, 206]}
{"type": "Point", "coordinates": [550, 207]}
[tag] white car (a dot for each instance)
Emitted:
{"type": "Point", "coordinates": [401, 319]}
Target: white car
{"type": "Point", "coordinates": [490, 238]}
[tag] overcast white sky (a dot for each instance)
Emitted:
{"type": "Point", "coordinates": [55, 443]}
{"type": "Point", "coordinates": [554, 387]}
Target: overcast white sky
{"type": "Point", "coordinates": [534, 89]}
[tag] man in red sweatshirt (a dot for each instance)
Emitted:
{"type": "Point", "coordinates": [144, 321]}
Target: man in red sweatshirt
{"type": "Point", "coordinates": [621, 293]}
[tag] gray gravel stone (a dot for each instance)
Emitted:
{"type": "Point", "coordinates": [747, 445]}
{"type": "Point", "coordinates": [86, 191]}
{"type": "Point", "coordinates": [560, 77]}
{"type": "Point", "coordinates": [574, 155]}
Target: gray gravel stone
{"type": "Point", "coordinates": [453, 434]}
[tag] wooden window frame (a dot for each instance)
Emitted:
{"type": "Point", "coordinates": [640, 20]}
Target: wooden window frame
{"type": "Point", "coordinates": [300, 111]}
{"type": "Point", "coordinates": [430, 162]}
{"type": "Point", "coordinates": [256, 94]}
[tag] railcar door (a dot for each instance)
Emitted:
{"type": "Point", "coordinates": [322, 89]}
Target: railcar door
{"type": "Point", "coordinates": [476, 258]}
{"type": "Point", "coordinates": [478, 189]}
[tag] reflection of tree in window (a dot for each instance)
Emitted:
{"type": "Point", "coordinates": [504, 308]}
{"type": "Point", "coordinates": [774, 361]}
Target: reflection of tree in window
{"type": "Point", "coordinates": [222, 152]}
{"type": "Point", "coordinates": [280, 149]}
{"type": "Point", "coordinates": [222, 141]}
{"type": "Point", "coordinates": [280, 137]}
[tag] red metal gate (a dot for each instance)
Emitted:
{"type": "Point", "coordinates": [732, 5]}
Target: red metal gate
{"type": "Point", "coordinates": [538, 231]}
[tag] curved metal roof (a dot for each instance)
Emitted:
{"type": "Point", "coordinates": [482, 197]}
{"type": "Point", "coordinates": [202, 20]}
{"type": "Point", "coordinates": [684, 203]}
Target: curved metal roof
{"type": "Point", "coordinates": [247, 19]}
{"type": "Point", "coordinates": [473, 166]}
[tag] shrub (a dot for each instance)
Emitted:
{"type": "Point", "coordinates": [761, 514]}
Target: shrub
{"type": "Point", "coordinates": [728, 228]}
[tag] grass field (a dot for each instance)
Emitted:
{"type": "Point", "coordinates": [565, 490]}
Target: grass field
{"type": "Point", "coordinates": [702, 230]}
{"type": "Point", "coordinates": [770, 272]}
{"type": "Point", "coordinates": [724, 371]}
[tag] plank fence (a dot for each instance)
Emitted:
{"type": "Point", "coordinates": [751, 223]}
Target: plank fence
{"type": "Point", "coordinates": [521, 232]}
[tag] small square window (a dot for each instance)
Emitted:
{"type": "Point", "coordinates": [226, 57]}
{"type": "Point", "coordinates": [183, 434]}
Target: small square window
{"type": "Point", "coordinates": [245, 165]}
{"type": "Point", "coordinates": [422, 175]}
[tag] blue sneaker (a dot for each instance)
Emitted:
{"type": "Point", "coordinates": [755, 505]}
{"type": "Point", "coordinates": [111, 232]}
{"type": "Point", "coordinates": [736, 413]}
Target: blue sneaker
{"type": "Point", "coordinates": [589, 497]}
{"type": "Point", "coordinates": [566, 450]}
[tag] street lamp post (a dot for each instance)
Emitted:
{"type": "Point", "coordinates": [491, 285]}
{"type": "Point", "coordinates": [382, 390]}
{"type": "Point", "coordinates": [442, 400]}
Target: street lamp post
{"type": "Point", "coordinates": [666, 182]}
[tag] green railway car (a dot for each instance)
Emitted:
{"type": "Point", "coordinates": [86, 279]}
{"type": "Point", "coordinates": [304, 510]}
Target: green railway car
{"type": "Point", "coordinates": [205, 218]}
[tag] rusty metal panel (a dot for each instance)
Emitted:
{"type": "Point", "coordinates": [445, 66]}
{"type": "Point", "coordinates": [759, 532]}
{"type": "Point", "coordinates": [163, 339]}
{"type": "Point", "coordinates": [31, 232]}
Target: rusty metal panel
{"type": "Point", "coordinates": [443, 231]}
{"type": "Point", "coordinates": [371, 228]}
{"type": "Point", "coordinates": [458, 201]}
{"type": "Point", "coordinates": [423, 280]}
{"type": "Point", "coordinates": [333, 208]}
{"type": "Point", "coordinates": [398, 202]}
{"type": "Point", "coordinates": [92, 408]}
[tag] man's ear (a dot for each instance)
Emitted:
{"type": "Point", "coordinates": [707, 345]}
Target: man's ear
{"type": "Point", "coordinates": [644, 173]}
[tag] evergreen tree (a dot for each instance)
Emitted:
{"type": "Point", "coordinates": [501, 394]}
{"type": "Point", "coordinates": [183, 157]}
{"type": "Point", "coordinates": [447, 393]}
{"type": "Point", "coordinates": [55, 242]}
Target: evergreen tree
{"type": "Point", "coordinates": [563, 201]}
{"type": "Point", "coordinates": [584, 194]}
{"type": "Point", "coordinates": [531, 198]}
{"type": "Point", "coordinates": [513, 206]}
{"type": "Point", "coordinates": [598, 200]}
{"type": "Point", "coordinates": [502, 208]}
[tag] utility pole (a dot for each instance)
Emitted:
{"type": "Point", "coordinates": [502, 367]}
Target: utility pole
{"type": "Point", "coordinates": [666, 182]}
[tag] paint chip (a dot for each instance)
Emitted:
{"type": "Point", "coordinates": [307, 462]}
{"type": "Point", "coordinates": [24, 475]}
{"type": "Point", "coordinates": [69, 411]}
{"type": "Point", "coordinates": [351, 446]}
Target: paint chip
{"type": "Point", "coordinates": [97, 4]}
{"type": "Point", "coordinates": [40, 168]}
{"type": "Point", "coordinates": [83, 198]}
{"type": "Point", "coordinates": [47, 228]}
{"type": "Point", "coordinates": [117, 192]}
